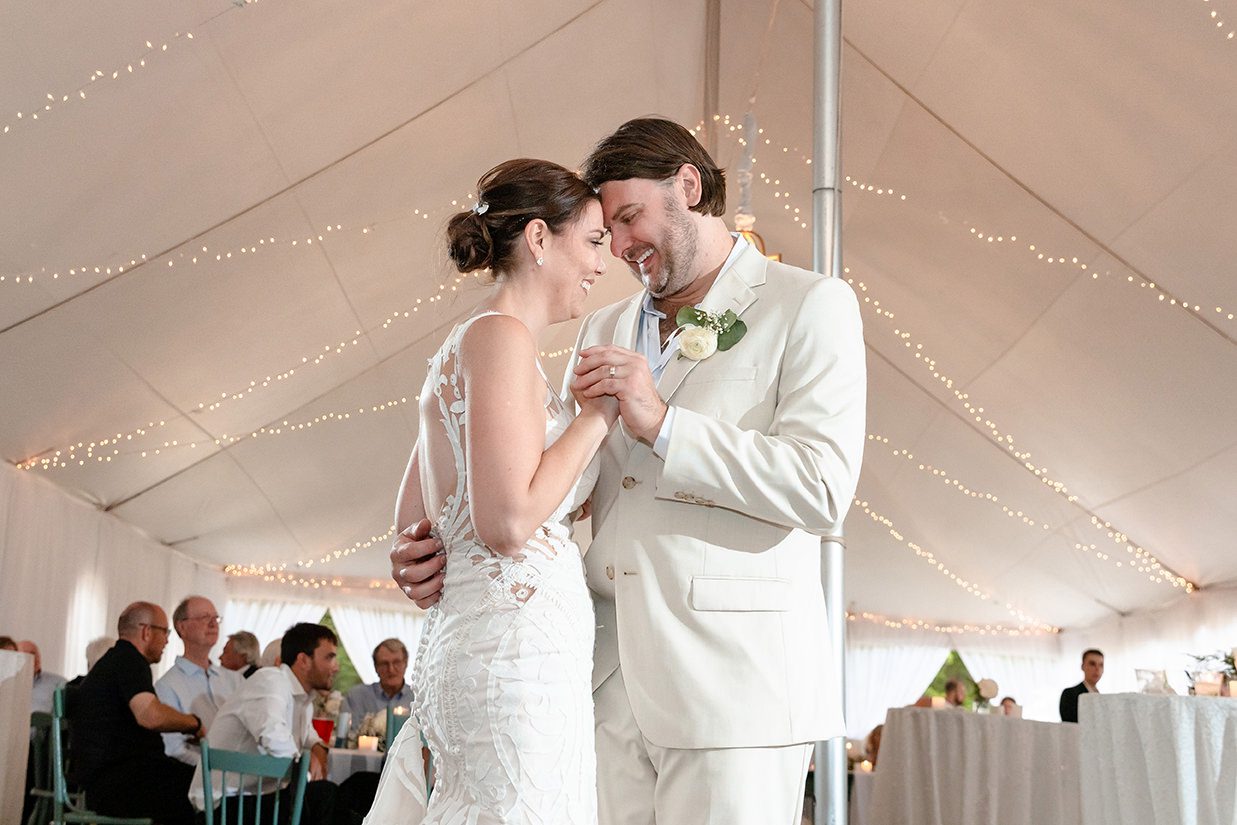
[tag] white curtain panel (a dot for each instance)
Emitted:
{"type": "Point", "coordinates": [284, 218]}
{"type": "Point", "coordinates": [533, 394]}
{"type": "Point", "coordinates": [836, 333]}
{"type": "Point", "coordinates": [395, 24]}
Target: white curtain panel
{"type": "Point", "coordinates": [67, 570]}
{"type": "Point", "coordinates": [268, 619]}
{"type": "Point", "coordinates": [1034, 681]}
{"type": "Point", "coordinates": [361, 628]}
{"type": "Point", "coordinates": [887, 669]}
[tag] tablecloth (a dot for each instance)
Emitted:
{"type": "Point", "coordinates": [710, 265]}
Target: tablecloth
{"type": "Point", "coordinates": [952, 767]}
{"type": "Point", "coordinates": [343, 763]}
{"type": "Point", "coordinates": [16, 679]}
{"type": "Point", "coordinates": [1167, 760]}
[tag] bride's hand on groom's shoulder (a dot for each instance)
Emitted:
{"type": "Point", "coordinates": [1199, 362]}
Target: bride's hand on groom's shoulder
{"type": "Point", "coordinates": [417, 564]}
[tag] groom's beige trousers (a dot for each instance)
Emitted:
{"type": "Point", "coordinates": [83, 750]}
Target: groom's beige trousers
{"type": "Point", "coordinates": [639, 783]}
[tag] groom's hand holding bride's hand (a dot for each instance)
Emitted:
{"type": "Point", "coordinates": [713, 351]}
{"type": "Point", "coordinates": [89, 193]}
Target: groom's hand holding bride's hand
{"type": "Point", "coordinates": [611, 370]}
{"type": "Point", "coordinates": [416, 564]}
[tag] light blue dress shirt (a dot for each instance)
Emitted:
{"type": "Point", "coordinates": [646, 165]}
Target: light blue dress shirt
{"type": "Point", "coordinates": [191, 689]}
{"type": "Point", "coordinates": [648, 344]}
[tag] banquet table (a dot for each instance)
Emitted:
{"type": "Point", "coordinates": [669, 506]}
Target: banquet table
{"type": "Point", "coordinates": [343, 763]}
{"type": "Point", "coordinates": [952, 767]}
{"type": "Point", "coordinates": [16, 678]}
{"type": "Point", "coordinates": [860, 797]}
{"type": "Point", "coordinates": [1167, 760]}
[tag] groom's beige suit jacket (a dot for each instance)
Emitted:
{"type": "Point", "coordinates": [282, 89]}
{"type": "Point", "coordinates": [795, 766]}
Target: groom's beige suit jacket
{"type": "Point", "coordinates": [705, 567]}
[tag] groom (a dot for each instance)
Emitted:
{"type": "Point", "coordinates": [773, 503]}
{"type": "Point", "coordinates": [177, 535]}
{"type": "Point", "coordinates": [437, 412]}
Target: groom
{"type": "Point", "coordinates": [712, 647]}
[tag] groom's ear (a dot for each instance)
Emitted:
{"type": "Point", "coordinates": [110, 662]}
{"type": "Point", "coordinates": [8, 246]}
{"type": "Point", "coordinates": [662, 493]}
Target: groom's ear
{"type": "Point", "coordinates": [688, 180]}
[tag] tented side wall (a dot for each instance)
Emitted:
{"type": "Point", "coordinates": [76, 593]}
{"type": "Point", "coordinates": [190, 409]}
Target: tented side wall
{"type": "Point", "coordinates": [67, 570]}
{"type": "Point", "coordinates": [1163, 639]}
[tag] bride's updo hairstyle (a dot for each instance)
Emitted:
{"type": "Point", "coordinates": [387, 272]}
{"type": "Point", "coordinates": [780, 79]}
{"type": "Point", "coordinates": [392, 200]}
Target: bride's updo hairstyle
{"type": "Point", "coordinates": [508, 197]}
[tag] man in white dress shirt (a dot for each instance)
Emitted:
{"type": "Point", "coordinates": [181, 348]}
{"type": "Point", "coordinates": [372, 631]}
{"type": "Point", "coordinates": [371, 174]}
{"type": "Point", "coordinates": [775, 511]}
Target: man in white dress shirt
{"type": "Point", "coordinates": [272, 713]}
{"type": "Point", "coordinates": [194, 684]}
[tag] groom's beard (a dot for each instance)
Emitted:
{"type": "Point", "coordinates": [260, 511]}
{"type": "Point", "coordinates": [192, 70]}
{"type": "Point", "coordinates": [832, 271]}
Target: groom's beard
{"type": "Point", "coordinates": [678, 251]}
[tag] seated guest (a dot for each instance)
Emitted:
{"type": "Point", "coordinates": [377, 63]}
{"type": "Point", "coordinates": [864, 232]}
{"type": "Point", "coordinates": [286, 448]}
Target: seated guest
{"type": "Point", "coordinates": [7, 643]}
{"type": "Point", "coordinates": [194, 684]}
{"type": "Point", "coordinates": [1007, 706]}
{"type": "Point", "coordinates": [95, 649]}
{"type": "Point", "coordinates": [391, 662]}
{"type": "Point", "coordinates": [45, 683]}
{"type": "Point", "coordinates": [872, 745]}
{"type": "Point", "coordinates": [270, 654]}
{"type": "Point", "coordinates": [955, 693]}
{"type": "Point", "coordinates": [240, 653]}
{"type": "Point", "coordinates": [272, 713]}
{"type": "Point", "coordinates": [1092, 672]}
{"type": "Point", "coordinates": [116, 718]}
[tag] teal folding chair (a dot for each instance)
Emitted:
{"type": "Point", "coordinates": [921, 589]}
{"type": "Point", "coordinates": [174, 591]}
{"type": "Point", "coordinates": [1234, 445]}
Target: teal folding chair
{"type": "Point", "coordinates": [41, 769]}
{"type": "Point", "coordinates": [395, 722]}
{"type": "Point", "coordinates": [250, 765]}
{"type": "Point", "coordinates": [64, 810]}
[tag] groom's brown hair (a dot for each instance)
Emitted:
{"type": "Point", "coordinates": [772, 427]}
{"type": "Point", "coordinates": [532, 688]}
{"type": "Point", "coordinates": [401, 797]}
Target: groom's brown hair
{"type": "Point", "coordinates": [654, 148]}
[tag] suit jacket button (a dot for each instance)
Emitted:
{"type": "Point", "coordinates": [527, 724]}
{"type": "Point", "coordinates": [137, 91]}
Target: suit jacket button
{"type": "Point", "coordinates": [628, 482]}
{"type": "Point", "coordinates": [610, 572]}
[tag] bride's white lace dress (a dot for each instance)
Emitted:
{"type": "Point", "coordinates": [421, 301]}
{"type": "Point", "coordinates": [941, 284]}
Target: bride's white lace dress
{"type": "Point", "coordinates": [501, 680]}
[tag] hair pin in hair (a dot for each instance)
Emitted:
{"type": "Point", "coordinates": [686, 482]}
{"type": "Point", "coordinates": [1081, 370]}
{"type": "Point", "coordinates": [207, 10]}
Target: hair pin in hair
{"type": "Point", "coordinates": [480, 207]}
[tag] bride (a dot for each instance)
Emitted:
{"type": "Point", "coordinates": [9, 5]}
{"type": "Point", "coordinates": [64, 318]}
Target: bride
{"type": "Point", "coordinates": [501, 679]}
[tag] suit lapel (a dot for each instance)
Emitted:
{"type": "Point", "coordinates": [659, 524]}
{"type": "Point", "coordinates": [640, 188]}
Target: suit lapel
{"type": "Point", "coordinates": [628, 322]}
{"type": "Point", "coordinates": [733, 290]}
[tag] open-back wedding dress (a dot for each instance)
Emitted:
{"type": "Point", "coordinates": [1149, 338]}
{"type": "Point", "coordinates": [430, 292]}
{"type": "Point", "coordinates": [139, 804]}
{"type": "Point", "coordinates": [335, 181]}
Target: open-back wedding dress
{"type": "Point", "coordinates": [501, 679]}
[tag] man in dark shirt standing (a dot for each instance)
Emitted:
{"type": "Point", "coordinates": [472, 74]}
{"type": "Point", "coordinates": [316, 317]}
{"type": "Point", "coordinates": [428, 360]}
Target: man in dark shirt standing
{"type": "Point", "coordinates": [1092, 672]}
{"type": "Point", "coordinates": [116, 720]}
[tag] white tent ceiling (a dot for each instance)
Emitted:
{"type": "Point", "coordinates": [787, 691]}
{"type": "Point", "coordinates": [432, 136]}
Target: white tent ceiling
{"type": "Point", "coordinates": [1103, 135]}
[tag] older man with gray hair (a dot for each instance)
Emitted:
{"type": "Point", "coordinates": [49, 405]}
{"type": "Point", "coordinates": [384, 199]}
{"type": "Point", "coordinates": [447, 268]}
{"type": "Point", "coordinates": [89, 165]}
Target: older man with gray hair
{"type": "Point", "coordinates": [241, 653]}
{"type": "Point", "coordinates": [391, 662]}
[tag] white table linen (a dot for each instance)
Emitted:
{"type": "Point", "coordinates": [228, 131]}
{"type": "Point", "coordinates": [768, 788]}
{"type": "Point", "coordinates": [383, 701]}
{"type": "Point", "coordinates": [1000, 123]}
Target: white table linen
{"type": "Point", "coordinates": [861, 797]}
{"type": "Point", "coordinates": [1167, 760]}
{"type": "Point", "coordinates": [343, 763]}
{"type": "Point", "coordinates": [16, 679]}
{"type": "Point", "coordinates": [951, 767]}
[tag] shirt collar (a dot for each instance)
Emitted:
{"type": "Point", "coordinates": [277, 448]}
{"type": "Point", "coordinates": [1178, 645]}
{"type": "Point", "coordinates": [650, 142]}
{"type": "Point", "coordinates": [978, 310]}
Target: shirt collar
{"type": "Point", "coordinates": [382, 696]}
{"type": "Point", "coordinates": [297, 690]}
{"type": "Point", "coordinates": [193, 668]}
{"type": "Point", "coordinates": [740, 244]}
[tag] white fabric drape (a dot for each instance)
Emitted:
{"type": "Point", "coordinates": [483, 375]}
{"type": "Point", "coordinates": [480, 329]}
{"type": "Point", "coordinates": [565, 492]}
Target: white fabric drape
{"type": "Point", "coordinates": [1031, 671]}
{"type": "Point", "coordinates": [362, 628]}
{"type": "Point", "coordinates": [267, 619]}
{"type": "Point", "coordinates": [67, 570]}
{"type": "Point", "coordinates": [886, 669]}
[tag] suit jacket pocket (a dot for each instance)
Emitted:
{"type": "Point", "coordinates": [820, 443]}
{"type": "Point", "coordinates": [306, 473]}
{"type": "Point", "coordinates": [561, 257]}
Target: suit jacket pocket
{"type": "Point", "coordinates": [735, 594]}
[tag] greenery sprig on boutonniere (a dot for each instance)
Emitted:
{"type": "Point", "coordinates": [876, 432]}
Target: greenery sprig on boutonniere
{"type": "Point", "coordinates": [703, 333]}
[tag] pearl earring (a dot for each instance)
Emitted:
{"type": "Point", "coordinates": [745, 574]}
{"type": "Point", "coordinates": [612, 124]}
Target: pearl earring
{"type": "Point", "coordinates": [540, 261]}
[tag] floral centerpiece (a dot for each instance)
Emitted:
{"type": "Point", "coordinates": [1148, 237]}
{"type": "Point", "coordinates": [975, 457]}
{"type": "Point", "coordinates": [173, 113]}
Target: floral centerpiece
{"type": "Point", "coordinates": [987, 690]}
{"type": "Point", "coordinates": [327, 705]}
{"type": "Point", "coordinates": [1217, 664]}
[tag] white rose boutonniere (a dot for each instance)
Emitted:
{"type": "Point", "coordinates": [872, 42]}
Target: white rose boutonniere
{"type": "Point", "coordinates": [697, 343]}
{"type": "Point", "coordinates": [704, 333]}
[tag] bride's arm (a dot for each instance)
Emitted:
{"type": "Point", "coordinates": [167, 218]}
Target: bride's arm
{"type": "Point", "coordinates": [514, 482]}
{"type": "Point", "coordinates": [410, 505]}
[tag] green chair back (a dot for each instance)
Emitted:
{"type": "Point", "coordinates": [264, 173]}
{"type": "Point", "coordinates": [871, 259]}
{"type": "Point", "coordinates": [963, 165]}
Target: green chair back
{"type": "Point", "coordinates": [245, 766]}
{"type": "Point", "coordinates": [41, 768]}
{"type": "Point", "coordinates": [63, 809]}
{"type": "Point", "coordinates": [395, 721]}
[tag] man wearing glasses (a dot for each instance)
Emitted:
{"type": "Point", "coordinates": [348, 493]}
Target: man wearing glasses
{"type": "Point", "coordinates": [116, 720]}
{"type": "Point", "coordinates": [194, 684]}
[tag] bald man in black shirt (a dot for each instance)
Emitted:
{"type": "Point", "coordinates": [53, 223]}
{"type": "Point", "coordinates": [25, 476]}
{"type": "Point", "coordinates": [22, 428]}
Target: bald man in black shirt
{"type": "Point", "coordinates": [116, 721]}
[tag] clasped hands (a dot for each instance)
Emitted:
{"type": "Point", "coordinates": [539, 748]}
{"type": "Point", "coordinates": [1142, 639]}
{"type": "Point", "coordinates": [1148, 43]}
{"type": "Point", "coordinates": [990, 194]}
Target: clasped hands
{"type": "Point", "coordinates": [603, 375]}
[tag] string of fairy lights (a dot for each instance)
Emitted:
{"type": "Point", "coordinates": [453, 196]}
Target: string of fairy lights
{"type": "Point", "coordinates": [904, 623]}
{"type": "Point", "coordinates": [1215, 18]}
{"type": "Point", "coordinates": [1132, 555]}
{"type": "Point", "coordinates": [123, 70]}
{"type": "Point", "coordinates": [932, 561]}
{"type": "Point", "coordinates": [66, 456]}
{"type": "Point", "coordinates": [1072, 261]}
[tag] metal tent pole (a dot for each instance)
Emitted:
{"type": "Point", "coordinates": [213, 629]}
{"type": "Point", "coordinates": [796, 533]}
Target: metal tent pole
{"type": "Point", "coordinates": [830, 776]}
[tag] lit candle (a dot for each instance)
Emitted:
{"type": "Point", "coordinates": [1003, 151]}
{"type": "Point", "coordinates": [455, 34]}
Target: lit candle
{"type": "Point", "coordinates": [367, 743]}
{"type": "Point", "coordinates": [400, 711]}
{"type": "Point", "coordinates": [865, 766]}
